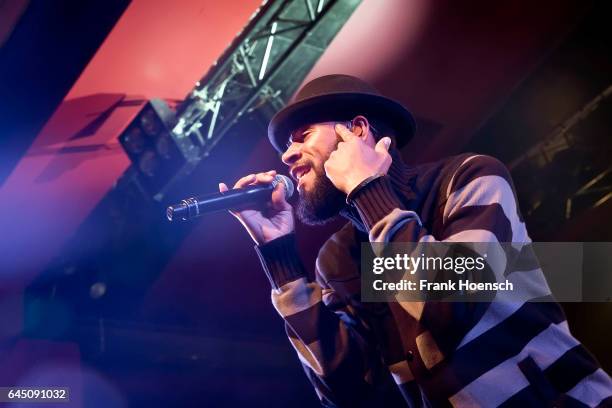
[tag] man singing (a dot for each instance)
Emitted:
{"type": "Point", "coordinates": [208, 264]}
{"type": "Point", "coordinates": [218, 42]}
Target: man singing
{"type": "Point", "coordinates": [340, 140]}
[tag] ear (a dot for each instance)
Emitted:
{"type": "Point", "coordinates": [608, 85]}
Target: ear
{"type": "Point", "coordinates": [361, 128]}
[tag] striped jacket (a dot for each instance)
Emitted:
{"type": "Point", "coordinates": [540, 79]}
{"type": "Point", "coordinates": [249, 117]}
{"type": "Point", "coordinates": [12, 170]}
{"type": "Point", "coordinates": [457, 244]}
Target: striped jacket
{"type": "Point", "coordinates": [428, 353]}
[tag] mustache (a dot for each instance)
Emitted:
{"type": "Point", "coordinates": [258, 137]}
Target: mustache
{"type": "Point", "coordinates": [305, 162]}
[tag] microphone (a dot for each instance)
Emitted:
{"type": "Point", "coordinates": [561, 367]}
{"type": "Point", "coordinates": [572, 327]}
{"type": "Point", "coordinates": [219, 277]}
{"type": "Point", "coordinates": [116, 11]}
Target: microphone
{"type": "Point", "coordinates": [228, 200]}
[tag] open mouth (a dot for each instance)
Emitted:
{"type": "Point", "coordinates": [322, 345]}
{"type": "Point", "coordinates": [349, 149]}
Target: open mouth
{"type": "Point", "coordinates": [298, 172]}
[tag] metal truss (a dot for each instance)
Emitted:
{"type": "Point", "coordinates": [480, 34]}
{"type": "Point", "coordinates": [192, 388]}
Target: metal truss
{"type": "Point", "coordinates": [576, 152]}
{"type": "Point", "coordinates": [599, 187]}
{"type": "Point", "coordinates": [262, 67]}
{"type": "Point", "coordinates": [561, 138]}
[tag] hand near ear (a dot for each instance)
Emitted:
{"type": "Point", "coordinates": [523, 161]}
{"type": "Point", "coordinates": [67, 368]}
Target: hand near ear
{"type": "Point", "coordinates": [383, 145]}
{"type": "Point", "coordinates": [354, 160]}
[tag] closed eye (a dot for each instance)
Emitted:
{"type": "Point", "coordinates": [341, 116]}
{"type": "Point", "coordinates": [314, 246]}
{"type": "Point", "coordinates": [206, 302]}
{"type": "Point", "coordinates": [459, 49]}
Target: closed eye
{"type": "Point", "coordinates": [305, 135]}
{"type": "Point", "coordinates": [299, 137]}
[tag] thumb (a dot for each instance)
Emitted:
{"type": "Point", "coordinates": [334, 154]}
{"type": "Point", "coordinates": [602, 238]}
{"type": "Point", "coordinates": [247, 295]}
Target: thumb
{"type": "Point", "coordinates": [383, 145]}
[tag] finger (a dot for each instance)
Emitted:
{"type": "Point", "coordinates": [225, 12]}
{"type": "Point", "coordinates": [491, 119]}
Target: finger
{"type": "Point", "coordinates": [383, 145]}
{"type": "Point", "coordinates": [344, 132]}
{"type": "Point", "coordinates": [279, 198]}
{"type": "Point", "coordinates": [244, 181]}
{"type": "Point", "coordinates": [271, 172]}
{"type": "Point", "coordinates": [261, 178]}
{"type": "Point", "coordinates": [327, 166]}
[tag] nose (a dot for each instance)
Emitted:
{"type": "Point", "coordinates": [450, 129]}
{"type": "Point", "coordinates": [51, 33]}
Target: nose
{"type": "Point", "coordinates": [292, 154]}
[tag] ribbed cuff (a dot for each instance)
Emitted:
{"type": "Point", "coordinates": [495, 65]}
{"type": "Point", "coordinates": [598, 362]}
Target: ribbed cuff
{"type": "Point", "coordinates": [375, 200]}
{"type": "Point", "coordinates": [280, 260]}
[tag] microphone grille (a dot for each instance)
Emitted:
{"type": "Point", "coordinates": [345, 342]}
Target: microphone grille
{"type": "Point", "coordinates": [289, 188]}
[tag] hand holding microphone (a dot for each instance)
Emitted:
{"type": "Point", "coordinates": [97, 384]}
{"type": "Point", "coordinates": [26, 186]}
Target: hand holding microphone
{"type": "Point", "coordinates": [259, 201]}
{"type": "Point", "coordinates": [266, 224]}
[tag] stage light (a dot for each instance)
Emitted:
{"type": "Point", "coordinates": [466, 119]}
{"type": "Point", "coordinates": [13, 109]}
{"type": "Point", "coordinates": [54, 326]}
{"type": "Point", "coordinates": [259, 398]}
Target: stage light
{"type": "Point", "coordinates": [159, 156]}
{"type": "Point", "coordinates": [250, 81]}
{"type": "Point", "coordinates": [97, 290]}
{"type": "Point", "coordinates": [134, 140]}
{"type": "Point", "coordinates": [148, 163]}
{"type": "Point", "coordinates": [150, 122]}
{"type": "Point", "coordinates": [164, 147]}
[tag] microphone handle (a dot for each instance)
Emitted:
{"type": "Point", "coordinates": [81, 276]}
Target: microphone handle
{"type": "Point", "coordinates": [234, 199]}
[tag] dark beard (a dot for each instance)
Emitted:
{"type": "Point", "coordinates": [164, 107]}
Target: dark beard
{"type": "Point", "coordinates": [322, 204]}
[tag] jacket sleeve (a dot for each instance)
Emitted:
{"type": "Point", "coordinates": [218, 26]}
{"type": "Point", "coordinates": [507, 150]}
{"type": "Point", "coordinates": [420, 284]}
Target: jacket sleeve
{"type": "Point", "coordinates": [329, 340]}
{"type": "Point", "coordinates": [477, 206]}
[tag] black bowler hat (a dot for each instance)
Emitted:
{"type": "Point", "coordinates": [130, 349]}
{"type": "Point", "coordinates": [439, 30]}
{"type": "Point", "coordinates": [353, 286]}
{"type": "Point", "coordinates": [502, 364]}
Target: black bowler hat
{"type": "Point", "coordinates": [339, 98]}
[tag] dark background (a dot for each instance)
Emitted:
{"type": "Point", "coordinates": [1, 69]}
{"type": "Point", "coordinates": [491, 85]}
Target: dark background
{"type": "Point", "coordinates": [100, 293]}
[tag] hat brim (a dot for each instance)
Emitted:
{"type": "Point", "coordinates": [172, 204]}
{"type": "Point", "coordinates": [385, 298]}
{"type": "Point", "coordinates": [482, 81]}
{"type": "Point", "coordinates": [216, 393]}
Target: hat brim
{"type": "Point", "coordinates": [340, 107]}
